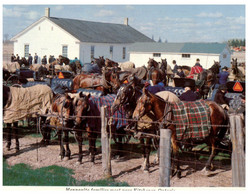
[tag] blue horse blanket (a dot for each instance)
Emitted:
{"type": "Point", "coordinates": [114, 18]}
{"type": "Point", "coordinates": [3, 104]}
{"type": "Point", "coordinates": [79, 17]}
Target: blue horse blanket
{"type": "Point", "coordinates": [95, 109]}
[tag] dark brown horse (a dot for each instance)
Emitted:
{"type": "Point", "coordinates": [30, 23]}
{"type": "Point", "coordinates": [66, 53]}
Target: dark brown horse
{"type": "Point", "coordinates": [64, 60]}
{"type": "Point", "coordinates": [162, 110]}
{"type": "Point", "coordinates": [154, 73]}
{"type": "Point", "coordinates": [23, 61]}
{"type": "Point", "coordinates": [207, 79]}
{"type": "Point", "coordinates": [110, 63]}
{"type": "Point", "coordinates": [100, 62]}
{"type": "Point", "coordinates": [61, 111]}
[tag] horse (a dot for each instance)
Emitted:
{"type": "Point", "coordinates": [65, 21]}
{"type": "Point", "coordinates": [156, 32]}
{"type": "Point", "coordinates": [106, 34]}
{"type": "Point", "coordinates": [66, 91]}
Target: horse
{"type": "Point", "coordinates": [110, 63]}
{"type": "Point", "coordinates": [90, 106]}
{"type": "Point", "coordinates": [166, 69]}
{"type": "Point", "coordinates": [127, 98]}
{"type": "Point", "coordinates": [23, 61]}
{"type": "Point", "coordinates": [61, 110]}
{"type": "Point", "coordinates": [237, 72]}
{"type": "Point", "coordinates": [154, 73]}
{"type": "Point", "coordinates": [63, 60]}
{"type": "Point", "coordinates": [21, 103]}
{"type": "Point", "coordinates": [100, 62]}
{"type": "Point", "coordinates": [165, 116]}
{"type": "Point", "coordinates": [207, 79]}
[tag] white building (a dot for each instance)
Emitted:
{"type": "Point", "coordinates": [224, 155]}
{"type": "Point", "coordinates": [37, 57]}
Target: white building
{"type": "Point", "coordinates": [77, 38]}
{"type": "Point", "coordinates": [182, 53]}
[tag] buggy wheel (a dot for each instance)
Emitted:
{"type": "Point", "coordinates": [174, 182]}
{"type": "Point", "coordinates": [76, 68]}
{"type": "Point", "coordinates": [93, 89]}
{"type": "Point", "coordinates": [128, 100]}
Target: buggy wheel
{"type": "Point", "coordinates": [13, 79]}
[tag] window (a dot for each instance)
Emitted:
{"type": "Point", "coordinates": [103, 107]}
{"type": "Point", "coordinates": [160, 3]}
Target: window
{"type": "Point", "coordinates": [26, 51]}
{"type": "Point", "coordinates": [123, 52]}
{"type": "Point", "coordinates": [65, 51]}
{"type": "Point", "coordinates": [92, 52]}
{"type": "Point", "coordinates": [185, 55]}
{"type": "Point", "coordinates": [156, 54]}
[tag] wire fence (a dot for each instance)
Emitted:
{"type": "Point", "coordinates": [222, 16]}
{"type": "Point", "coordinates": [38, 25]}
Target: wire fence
{"type": "Point", "coordinates": [192, 154]}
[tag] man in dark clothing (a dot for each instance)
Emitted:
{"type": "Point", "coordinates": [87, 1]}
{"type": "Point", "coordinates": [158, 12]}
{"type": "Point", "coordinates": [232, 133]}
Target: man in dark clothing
{"type": "Point", "coordinates": [30, 59]}
{"type": "Point", "coordinates": [44, 60]}
{"type": "Point", "coordinates": [175, 66]}
{"type": "Point", "coordinates": [220, 97]}
{"type": "Point", "coordinates": [188, 95]}
{"type": "Point", "coordinates": [17, 57]}
{"type": "Point", "coordinates": [35, 59]}
{"type": "Point", "coordinates": [180, 72]}
{"type": "Point", "coordinates": [223, 75]}
{"type": "Point", "coordinates": [13, 58]}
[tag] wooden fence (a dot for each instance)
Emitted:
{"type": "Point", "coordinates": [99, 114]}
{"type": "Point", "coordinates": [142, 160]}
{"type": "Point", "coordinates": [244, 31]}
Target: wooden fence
{"type": "Point", "coordinates": [238, 153]}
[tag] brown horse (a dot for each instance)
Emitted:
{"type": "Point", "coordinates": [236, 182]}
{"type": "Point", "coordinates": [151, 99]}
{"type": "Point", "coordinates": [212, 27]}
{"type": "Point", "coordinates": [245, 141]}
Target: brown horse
{"type": "Point", "coordinates": [154, 73]}
{"type": "Point", "coordinates": [22, 103]}
{"type": "Point", "coordinates": [110, 63]}
{"type": "Point", "coordinates": [100, 62]}
{"type": "Point", "coordinates": [237, 73]}
{"type": "Point", "coordinates": [61, 111]}
{"type": "Point", "coordinates": [163, 111]}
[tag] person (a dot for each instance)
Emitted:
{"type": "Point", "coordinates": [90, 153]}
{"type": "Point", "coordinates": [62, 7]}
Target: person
{"type": "Point", "coordinates": [13, 58]}
{"type": "Point", "coordinates": [189, 94]}
{"type": "Point", "coordinates": [175, 67]}
{"type": "Point", "coordinates": [223, 76]}
{"type": "Point", "coordinates": [17, 57]}
{"type": "Point", "coordinates": [30, 59]}
{"type": "Point", "coordinates": [180, 72]}
{"type": "Point", "coordinates": [51, 59]}
{"type": "Point", "coordinates": [35, 59]}
{"type": "Point", "coordinates": [220, 97]}
{"type": "Point", "coordinates": [156, 88]}
{"type": "Point", "coordinates": [196, 69]}
{"type": "Point", "coordinates": [44, 60]}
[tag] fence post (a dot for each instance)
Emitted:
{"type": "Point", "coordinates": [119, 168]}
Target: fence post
{"type": "Point", "coordinates": [106, 157]}
{"type": "Point", "coordinates": [165, 157]}
{"type": "Point", "coordinates": [238, 153]}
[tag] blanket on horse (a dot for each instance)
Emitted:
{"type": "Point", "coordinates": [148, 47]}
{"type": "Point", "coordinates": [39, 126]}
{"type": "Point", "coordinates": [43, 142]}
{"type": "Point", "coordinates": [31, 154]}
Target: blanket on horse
{"type": "Point", "coordinates": [26, 102]}
{"type": "Point", "coordinates": [95, 108]}
{"type": "Point", "coordinates": [192, 119]}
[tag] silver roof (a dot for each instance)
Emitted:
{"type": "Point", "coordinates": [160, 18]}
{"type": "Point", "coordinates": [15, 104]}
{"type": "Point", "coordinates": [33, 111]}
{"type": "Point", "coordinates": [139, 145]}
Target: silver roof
{"type": "Point", "coordinates": [98, 32]}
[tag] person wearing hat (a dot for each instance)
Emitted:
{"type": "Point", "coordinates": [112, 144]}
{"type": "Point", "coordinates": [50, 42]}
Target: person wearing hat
{"type": "Point", "coordinates": [175, 66]}
{"type": "Point", "coordinates": [189, 94]}
{"type": "Point", "coordinates": [220, 97]}
{"type": "Point", "coordinates": [223, 76]}
{"type": "Point", "coordinates": [44, 60]}
{"type": "Point", "coordinates": [196, 69]}
{"type": "Point", "coordinates": [180, 72]}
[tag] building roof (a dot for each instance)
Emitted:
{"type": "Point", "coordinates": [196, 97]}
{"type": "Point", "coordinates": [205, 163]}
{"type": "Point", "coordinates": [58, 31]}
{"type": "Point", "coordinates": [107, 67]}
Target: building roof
{"type": "Point", "coordinates": [211, 48]}
{"type": "Point", "coordinates": [98, 32]}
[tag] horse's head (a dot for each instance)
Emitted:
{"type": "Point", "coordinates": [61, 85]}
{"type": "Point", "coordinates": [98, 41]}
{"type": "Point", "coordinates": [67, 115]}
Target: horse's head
{"type": "Point", "coordinates": [216, 67]}
{"type": "Point", "coordinates": [123, 97]}
{"type": "Point", "coordinates": [81, 108]}
{"type": "Point", "coordinates": [152, 63]}
{"type": "Point", "coordinates": [144, 105]}
{"type": "Point", "coordinates": [234, 66]}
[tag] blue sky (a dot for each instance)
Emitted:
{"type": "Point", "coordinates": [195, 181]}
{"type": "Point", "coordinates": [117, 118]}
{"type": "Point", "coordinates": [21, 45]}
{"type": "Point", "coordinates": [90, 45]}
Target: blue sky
{"type": "Point", "coordinates": [174, 23]}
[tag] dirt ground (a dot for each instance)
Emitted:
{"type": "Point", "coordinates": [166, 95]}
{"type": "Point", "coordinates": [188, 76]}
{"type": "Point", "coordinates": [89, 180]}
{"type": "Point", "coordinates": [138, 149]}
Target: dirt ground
{"type": "Point", "coordinates": [125, 169]}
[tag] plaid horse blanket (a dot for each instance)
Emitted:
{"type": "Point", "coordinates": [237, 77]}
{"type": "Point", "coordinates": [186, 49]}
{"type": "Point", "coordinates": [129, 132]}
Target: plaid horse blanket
{"type": "Point", "coordinates": [95, 109]}
{"type": "Point", "coordinates": [192, 119]}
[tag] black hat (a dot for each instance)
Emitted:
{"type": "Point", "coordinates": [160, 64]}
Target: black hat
{"type": "Point", "coordinates": [188, 83]}
{"type": "Point", "coordinates": [225, 68]}
{"type": "Point", "coordinates": [223, 87]}
{"type": "Point", "coordinates": [197, 59]}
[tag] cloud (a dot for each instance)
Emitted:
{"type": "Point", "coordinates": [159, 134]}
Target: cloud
{"type": "Point", "coordinates": [17, 12]}
{"type": "Point", "coordinates": [59, 7]}
{"type": "Point", "coordinates": [210, 15]}
{"type": "Point", "coordinates": [103, 13]}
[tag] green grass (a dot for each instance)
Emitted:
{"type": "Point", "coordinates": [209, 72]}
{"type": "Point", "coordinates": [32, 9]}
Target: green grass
{"type": "Point", "coordinates": [23, 175]}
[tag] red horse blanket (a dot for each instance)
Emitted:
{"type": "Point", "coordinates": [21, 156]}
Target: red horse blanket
{"type": "Point", "coordinates": [192, 119]}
